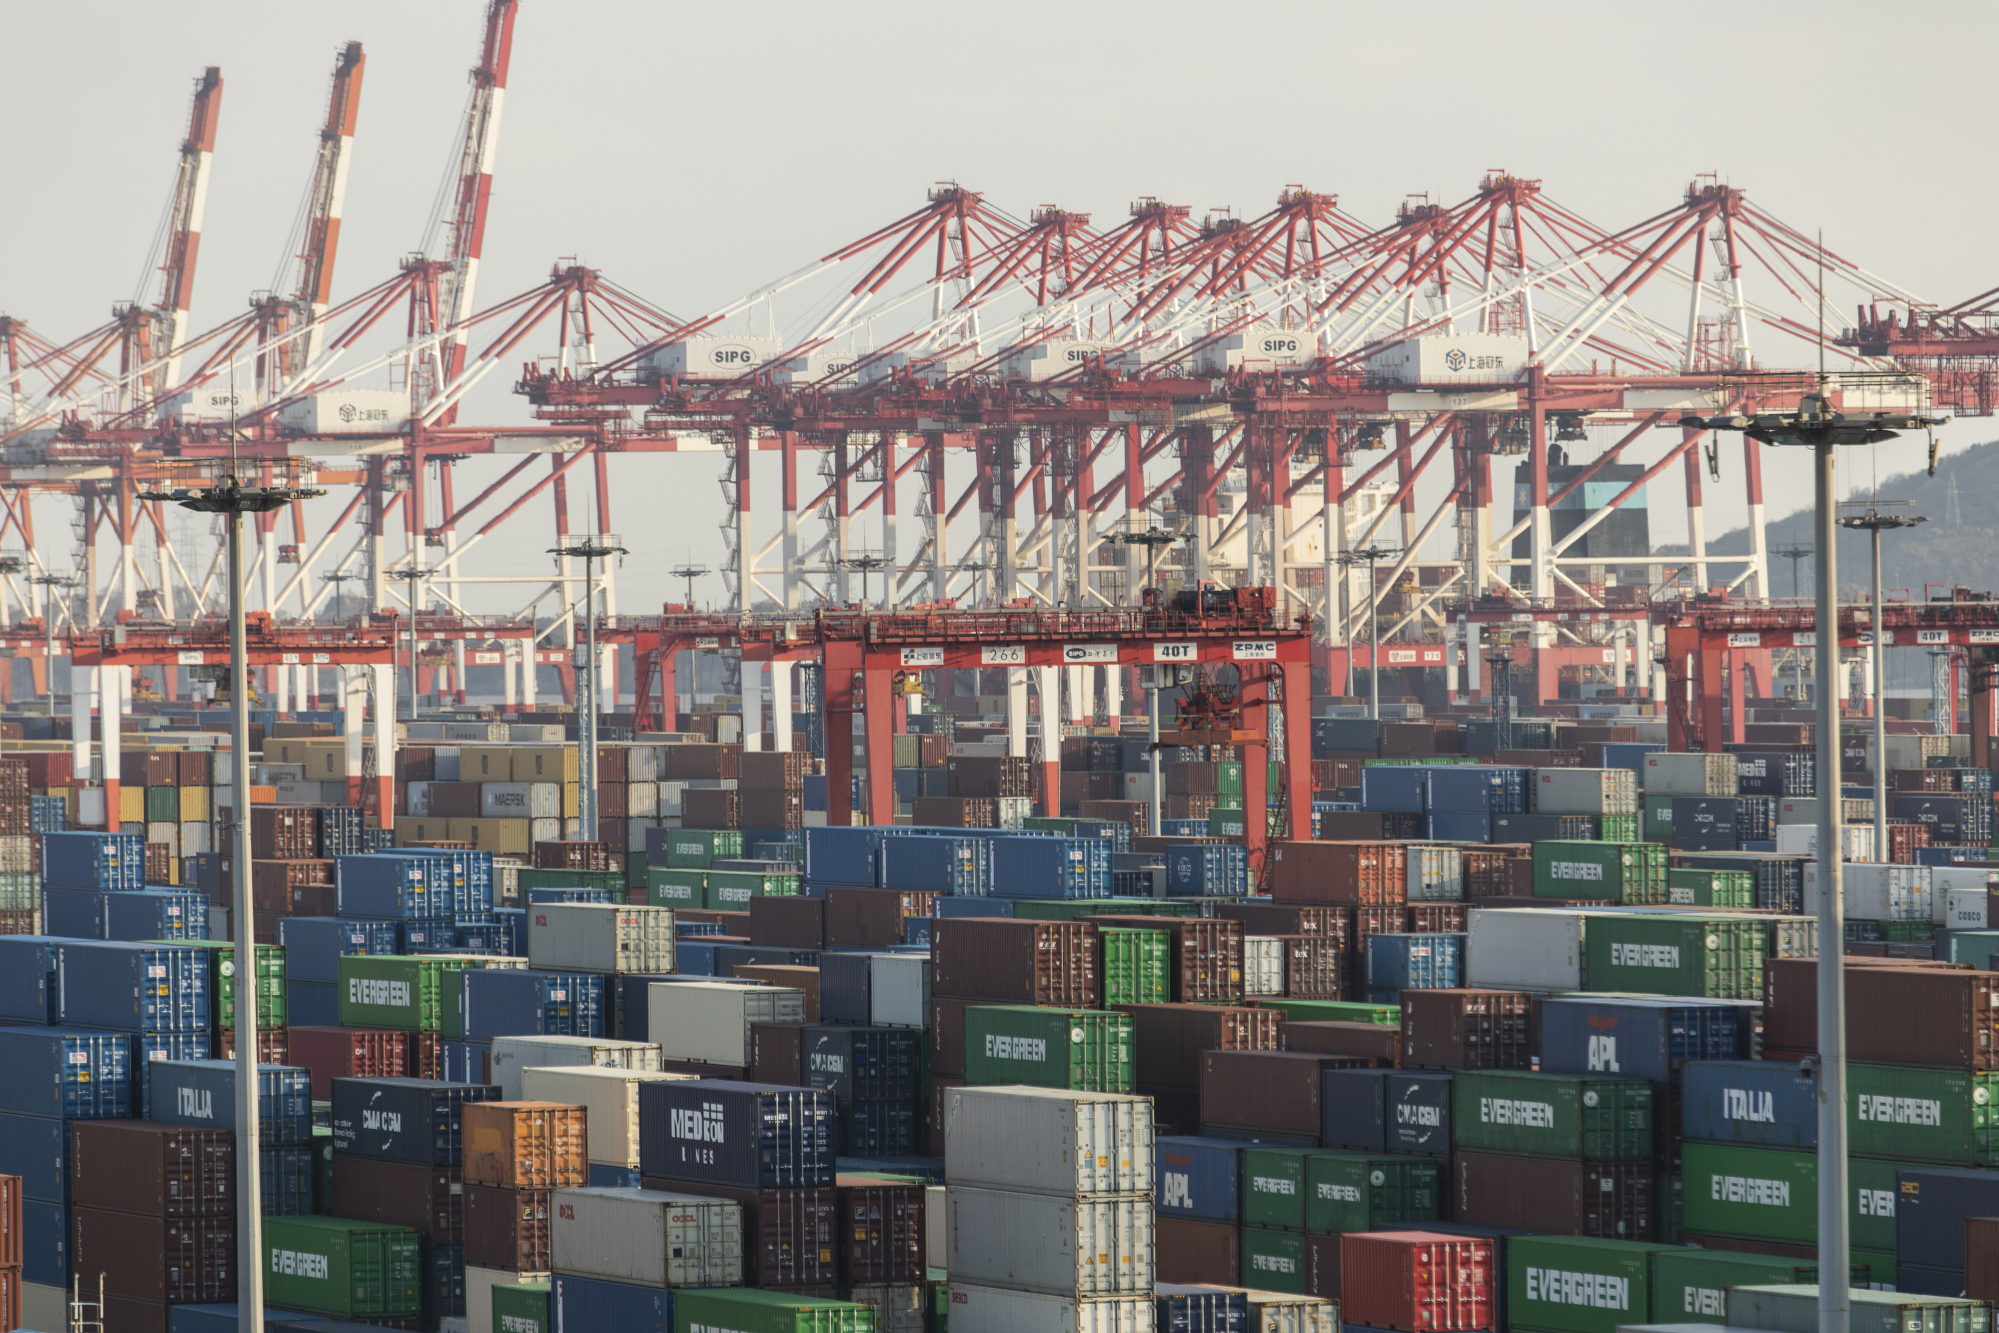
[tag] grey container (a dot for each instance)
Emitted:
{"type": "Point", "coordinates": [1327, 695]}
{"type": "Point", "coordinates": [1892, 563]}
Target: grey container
{"type": "Point", "coordinates": [1048, 1141]}
{"type": "Point", "coordinates": [1436, 873]}
{"type": "Point", "coordinates": [1584, 791]}
{"type": "Point", "coordinates": [1041, 1242]}
{"type": "Point", "coordinates": [899, 990]}
{"type": "Point", "coordinates": [710, 1021]}
{"type": "Point", "coordinates": [511, 1055]}
{"type": "Point", "coordinates": [610, 1102]}
{"type": "Point", "coordinates": [600, 937]}
{"type": "Point", "coordinates": [1795, 1309]}
{"type": "Point", "coordinates": [647, 1236]}
{"type": "Point", "coordinates": [1524, 948]}
{"type": "Point", "coordinates": [977, 1309]}
{"type": "Point", "coordinates": [1693, 773]}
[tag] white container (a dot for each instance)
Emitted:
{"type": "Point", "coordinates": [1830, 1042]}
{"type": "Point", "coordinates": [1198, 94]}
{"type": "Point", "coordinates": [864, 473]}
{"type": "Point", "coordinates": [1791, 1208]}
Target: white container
{"type": "Point", "coordinates": [511, 1055]}
{"type": "Point", "coordinates": [1524, 948]}
{"type": "Point", "coordinates": [977, 1309]}
{"type": "Point", "coordinates": [479, 1284]}
{"type": "Point", "coordinates": [1795, 1309]}
{"type": "Point", "coordinates": [936, 1242]}
{"type": "Point", "coordinates": [1873, 891]}
{"type": "Point", "coordinates": [1282, 1312]}
{"type": "Point", "coordinates": [520, 800]}
{"type": "Point", "coordinates": [347, 412]}
{"type": "Point", "coordinates": [544, 830]}
{"type": "Point", "coordinates": [1798, 810]}
{"type": "Point", "coordinates": [1585, 791]}
{"type": "Point", "coordinates": [1451, 358]}
{"type": "Point", "coordinates": [710, 1020]}
{"type": "Point", "coordinates": [416, 800]}
{"type": "Point", "coordinates": [1964, 909]}
{"type": "Point", "coordinates": [642, 764]}
{"type": "Point", "coordinates": [1048, 1141]}
{"type": "Point", "coordinates": [1691, 774]}
{"type": "Point", "coordinates": [708, 356]}
{"type": "Point", "coordinates": [635, 834]}
{"type": "Point", "coordinates": [610, 1101]}
{"type": "Point", "coordinates": [669, 798]}
{"type": "Point", "coordinates": [1436, 873]}
{"type": "Point", "coordinates": [642, 800]}
{"type": "Point", "coordinates": [899, 990]}
{"type": "Point", "coordinates": [1262, 965]}
{"type": "Point", "coordinates": [1040, 1242]}
{"type": "Point", "coordinates": [648, 1237]}
{"type": "Point", "coordinates": [44, 1306]}
{"type": "Point", "coordinates": [600, 937]}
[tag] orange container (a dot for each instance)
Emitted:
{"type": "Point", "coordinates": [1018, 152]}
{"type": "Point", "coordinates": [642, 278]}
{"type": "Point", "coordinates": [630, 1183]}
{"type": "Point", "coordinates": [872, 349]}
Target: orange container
{"type": "Point", "coordinates": [10, 1223]}
{"type": "Point", "coordinates": [524, 1145]}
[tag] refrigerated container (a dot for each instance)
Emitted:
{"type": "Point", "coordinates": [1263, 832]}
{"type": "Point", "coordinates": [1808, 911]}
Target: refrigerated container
{"type": "Point", "coordinates": [510, 1056]}
{"type": "Point", "coordinates": [648, 1237]}
{"type": "Point", "coordinates": [1041, 1242]}
{"type": "Point", "coordinates": [592, 937]}
{"type": "Point", "coordinates": [1048, 1142]}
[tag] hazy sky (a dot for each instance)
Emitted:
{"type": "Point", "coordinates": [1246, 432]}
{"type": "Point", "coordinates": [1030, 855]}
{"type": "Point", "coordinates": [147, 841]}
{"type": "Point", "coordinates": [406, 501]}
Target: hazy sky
{"type": "Point", "coordinates": [695, 151]}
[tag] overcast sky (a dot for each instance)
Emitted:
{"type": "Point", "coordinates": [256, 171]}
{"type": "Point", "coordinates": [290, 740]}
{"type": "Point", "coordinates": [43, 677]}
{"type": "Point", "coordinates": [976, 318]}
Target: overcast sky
{"type": "Point", "coordinates": [695, 151]}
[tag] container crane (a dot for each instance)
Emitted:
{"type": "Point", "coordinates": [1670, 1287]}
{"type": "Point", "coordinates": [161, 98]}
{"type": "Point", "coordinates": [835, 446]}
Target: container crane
{"type": "Point", "coordinates": [154, 335]}
{"type": "Point", "coordinates": [325, 201]}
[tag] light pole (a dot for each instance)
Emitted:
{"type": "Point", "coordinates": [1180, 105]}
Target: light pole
{"type": "Point", "coordinates": [1369, 555]}
{"type": "Point", "coordinates": [1873, 522]}
{"type": "Point", "coordinates": [412, 574]}
{"type": "Point", "coordinates": [226, 496]}
{"type": "Point", "coordinates": [689, 573]}
{"type": "Point", "coordinates": [49, 583]}
{"type": "Point", "coordinates": [1795, 552]}
{"type": "Point", "coordinates": [1151, 539]}
{"type": "Point", "coordinates": [339, 578]}
{"type": "Point", "coordinates": [592, 546]}
{"type": "Point", "coordinates": [1819, 427]}
{"type": "Point", "coordinates": [867, 564]}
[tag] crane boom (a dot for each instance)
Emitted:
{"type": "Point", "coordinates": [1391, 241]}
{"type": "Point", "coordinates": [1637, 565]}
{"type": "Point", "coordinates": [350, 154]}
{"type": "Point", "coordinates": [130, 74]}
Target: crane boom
{"type": "Point", "coordinates": [197, 151]}
{"type": "Point", "coordinates": [475, 179]}
{"type": "Point", "coordinates": [329, 192]}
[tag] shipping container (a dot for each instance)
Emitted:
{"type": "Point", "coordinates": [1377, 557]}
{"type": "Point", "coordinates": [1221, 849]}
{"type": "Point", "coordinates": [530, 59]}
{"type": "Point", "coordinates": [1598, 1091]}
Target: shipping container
{"type": "Point", "coordinates": [1930, 1206]}
{"type": "Point", "coordinates": [403, 1119]}
{"type": "Point", "coordinates": [1023, 962]}
{"type": "Point", "coordinates": [523, 1145]}
{"type": "Point", "coordinates": [336, 1052]}
{"type": "Point", "coordinates": [337, 1267]}
{"type": "Point", "coordinates": [1198, 1178]}
{"type": "Point", "coordinates": [424, 1197]}
{"type": "Point", "coordinates": [1795, 1309]}
{"type": "Point", "coordinates": [1552, 1115]}
{"type": "Point", "coordinates": [1060, 1246]}
{"type": "Point", "coordinates": [1084, 1050]}
{"type": "Point", "coordinates": [203, 1092]}
{"type": "Point", "coordinates": [745, 1134]}
{"type": "Point", "coordinates": [499, 1002]}
{"type": "Point", "coordinates": [1168, 1039]}
{"type": "Point", "coordinates": [1612, 1200]}
{"type": "Point", "coordinates": [1277, 1091]}
{"type": "Point", "coordinates": [1362, 1191]}
{"type": "Point", "coordinates": [1902, 1015]}
{"type": "Point", "coordinates": [1274, 1259]}
{"type": "Point", "coordinates": [1386, 1110]}
{"type": "Point", "coordinates": [1182, 1308]}
{"type": "Point", "coordinates": [593, 938]}
{"type": "Point", "coordinates": [404, 993]}
{"type": "Point", "coordinates": [155, 1259]}
{"type": "Point", "coordinates": [648, 1237]}
{"type": "Point", "coordinates": [1351, 873]}
{"type": "Point", "coordinates": [510, 1056]}
{"type": "Point", "coordinates": [1186, 1250]}
{"type": "Point", "coordinates": [1577, 1284]}
{"type": "Point", "coordinates": [1691, 1286]}
{"type": "Point", "coordinates": [137, 1166]}
{"type": "Point", "coordinates": [609, 1098]}
{"type": "Point", "coordinates": [1585, 791]}
{"type": "Point", "coordinates": [979, 1309]}
{"type": "Point", "coordinates": [1525, 949]}
{"type": "Point", "coordinates": [1632, 873]}
{"type": "Point", "coordinates": [1758, 1103]}
{"type": "Point", "coordinates": [747, 1311]}
{"type": "Point", "coordinates": [881, 1228]}
{"type": "Point", "coordinates": [1466, 1029]}
{"type": "Point", "coordinates": [132, 987]}
{"type": "Point", "coordinates": [1417, 1281]}
{"type": "Point", "coordinates": [1068, 1143]}
{"type": "Point", "coordinates": [710, 1021]}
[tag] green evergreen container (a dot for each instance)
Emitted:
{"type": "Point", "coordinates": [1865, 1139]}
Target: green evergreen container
{"type": "Point", "coordinates": [1577, 1284]}
{"type": "Point", "coordinates": [699, 848]}
{"type": "Point", "coordinates": [222, 980]}
{"type": "Point", "coordinates": [1227, 822]}
{"type": "Point", "coordinates": [163, 805]}
{"type": "Point", "coordinates": [1333, 1011]}
{"type": "Point", "coordinates": [330, 1265]}
{"type": "Point", "coordinates": [731, 890]}
{"type": "Point", "coordinates": [745, 1310]}
{"type": "Point", "coordinates": [1754, 1193]}
{"type": "Point", "coordinates": [1571, 1116]}
{"type": "Point", "coordinates": [523, 1307]}
{"type": "Point", "coordinates": [1273, 1186]}
{"type": "Point", "coordinates": [1083, 1050]}
{"type": "Point", "coordinates": [1691, 1286]}
{"type": "Point", "coordinates": [1710, 888]}
{"type": "Point", "coordinates": [408, 992]}
{"type": "Point", "coordinates": [1922, 1114]}
{"type": "Point", "coordinates": [1136, 966]}
{"type": "Point", "coordinates": [1351, 1191]}
{"type": "Point", "coordinates": [611, 881]}
{"type": "Point", "coordinates": [1617, 828]}
{"type": "Point", "coordinates": [1273, 1259]}
{"type": "Point", "coordinates": [669, 886]}
{"type": "Point", "coordinates": [1658, 818]}
{"type": "Point", "coordinates": [1628, 872]}
{"type": "Point", "coordinates": [1228, 780]}
{"type": "Point", "coordinates": [1675, 954]}
{"type": "Point", "coordinates": [1976, 947]}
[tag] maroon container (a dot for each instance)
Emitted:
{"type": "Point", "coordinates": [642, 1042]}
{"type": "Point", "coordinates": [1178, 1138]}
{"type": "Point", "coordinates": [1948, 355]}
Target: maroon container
{"type": "Point", "coordinates": [955, 812]}
{"type": "Point", "coordinates": [332, 1053]}
{"type": "Point", "coordinates": [703, 761]}
{"type": "Point", "coordinates": [805, 979]}
{"type": "Point", "coordinates": [788, 922]}
{"type": "Point", "coordinates": [1186, 1250]}
{"type": "Point", "coordinates": [284, 832]}
{"type": "Point", "coordinates": [572, 856]}
{"type": "Point", "coordinates": [124, 1313]}
{"type": "Point", "coordinates": [454, 800]}
{"type": "Point", "coordinates": [177, 1260]}
{"type": "Point", "coordinates": [1353, 825]}
{"type": "Point", "coordinates": [427, 1199]}
{"type": "Point", "coordinates": [1898, 1011]}
{"type": "Point", "coordinates": [872, 918]}
{"type": "Point", "coordinates": [1435, 918]}
{"type": "Point", "coordinates": [10, 1222]}
{"type": "Point", "coordinates": [1317, 967]}
{"type": "Point", "coordinates": [136, 1166]}
{"type": "Point", "coordinates": [763, 807]}
{"type": "Point", "coordinates": [1376, 1043]}
{"type": "Point", "coordinates": [1207, 955]}
{"type": "Point", "coordinates": [1981, 1258]}
{"type": "Point", "coordinates": [273, 1045]}
{"type": "Point", "coordinates": [507, 1229]}
{"type": "Point", "coordinates": [1322, 1267]}
{"type": "Point", "coordinates": [881, 1230]}
{"type": "Point", "coordinates": [1611, 1200]}
{"type": "Point", "coordinates": [790, 1237]}
{"type": "Point", "coordinates": [1277, 1091]}
{"type": "Point", "coordinates": [777, 1054]}
{"type": "Point", "coordinates": [1365, 874]}
{"type": "Point", "coordinates": [1016, 962]}
{"type": "Point", "coordinates": [989, 775]}
{"type": "Point", "coordinates": [1417, 1281]}
{"type": "Point", "coordinates": [1289, 919]}
{"type": "Point", "coordinates": [1466, 1029]}
{"type": "Point", "coordinates": [947, 1033]}
{"type": "Point", "coordinates": [1168, 1040]}
{"type": "Point", "coordinates": [711, 807]}
{"type": "Point", "coordinates": [1138, 814]}
{"type": "Point", "coordinates": [773, 770]}
{"type": "Point", "coordinates": [1782, 1249]}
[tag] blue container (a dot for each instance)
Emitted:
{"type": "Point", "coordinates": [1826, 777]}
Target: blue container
{"type": "Point", "coordinates": [286, 1180]}
{"type": "Point", "coordinates": [312, 1004]}
{"type": "Point", "coordinates": [132, 987]}
{"type": "Point", "coordinates": [694, 958]}
{"type": "Point", "coordinates": [1392, 787]}
{"type": "Point", "coordinates": [1332, 735]}
{"type": "Point", "coordinates": [36, 1148]}
{"type": "Point", "coordinates": [877, 1129]}
{"type": "Point", "coordinates": [1201, 1310]}
{"type": "Point", "coordinates": [155, 914]}
{"type": "Point", "coordinates": [729, 957]}
{"type": "Point", "coordinates": [1026, 866]}
{"type": "Point", "coordinates": [203, 1092]}
{"type": "Point", "coordinates": [1386, 1110]}
{"type": "Point", "coordinates": [1198, 1177]}
{"type": "Point", "coordinates": [403, 1119]}
{"type": "Point", "coordinates": [340, 830]}
{"type": "Point", "coordinates": [1543, 828]}
{"type": "Point", "coordinates": [856, 1063]}
{"type": "Point", "coordinates": [568, 894]}
{"type": "Point", "coordinates": [467, 879]}
{"type": "Point", "coordinates": [44, 1243]}
{"type": "Point", "coordinates": [500, 1003]}
{"type": "Point", "coordinates": [846, 856]}
{"type": "Point", "coordinates": [150, 1046]}
{"type": "Point", "coordinates": [425, 936]}
{"type": "Point", "coordinates": [465, 1061]}
{"type": "Point", "coordinates": [76, 914]}
{"type": "Point", "coordinates": [1489, 789]}
{"type": "Point", "coordinates": [1705, 822]}
{"type": "Point", "coordinates": [916, 930]}
{"type": "Point", "coordinates": [493, 938]}
{"type": "Point", "coordinates": [513, 926]}
{"type": "Point", "coordinates": [1757, 1103]}
{"type": "Point", "coordinates": [48, 814]}
{"type": "Point", "coordinates": [629, 1000]}
{"type": "Point", "coordinates": [314, 945]}
{"type": "Point", "coordinates": [394, 886]}
{"type": "Point", "coordinates": [224, 1319]}
{"type": "Point", "coordinates": [1183, 828]}
{"type": "Point", "coordinates": [443, 1282]}
{"type": "Point", "coordinates": [1396, 963]}
{"type": "Point", "coordinates": [595, 1303]}
{"type": "Point", "coordinates": [1629, 754]}
{"type": "Point", "coordinates": [603, 1176]}
{"type": "Point", "coordinates": [846, 986]}
{"type": "Point", "coordinates": [957, 907]}
{"type": "Point", "coordinates": [1457, 826]}
{"type": "Point", "coordinates": [934, 862]}
{"type": "Point", "coordinates": [93, 861]}
{"type": "Point", "coordinates": [1931, 1203]}
{"type": "Point", "coordinates": [1775, 773]}
{"type": "Point", "coordinates": [66, 1072]}
{"type": "Point", "coordinates": [1636, 1038]}
{"type": "Point", "coordinates": [1207, 870]}
{"type": "Point", "coordinates": [753, 1135]}
{"type": "Point", "coordinates": [27, 978]}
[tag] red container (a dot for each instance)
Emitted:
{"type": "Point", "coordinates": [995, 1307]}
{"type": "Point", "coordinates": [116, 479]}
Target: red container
{"type": "Point", "coordinates": [804, 979]}
{"type": "Point", "coordinates": [881, 1230]}
{"type": "Point", "coordinates": [1168, 1040]}
{"type": "Point", "coordinates": [429, 1200]}
{"type": "Point", "coordinates": [788, 922]}
{"type": "Point", "coordinates": [1318, 967]}
{"type": "Point", "coordinates": [872, 918]}
{"type": "Point", "coordinates": [1611, 1200]}
{"type": "Point", "coordinates": [507, 1229]}
{"type": "Point", "coordinates": [178, 1260]}
{"type": "Point", "coordinates": [1981, 1258]}
{"type": "Point", "coordinates": [332, 1053]}
{"type": "Point", "coordinates": [1335, 923]}
{"type": "Point", "coordinates": [1416, 1281]}
{"type": "Point", "coordinates": [1186, 1250]}
{"type": "Point", "coordinates": [790, 1237]}
{"type": "Point", "coordinates": [1435, 918]}
{"type": "Point", "coordinates": [1365, 874]}
{"type": "Point", "coordinates": [1003, 961]}
{"type": "Point", "coordinates": [136, 1166]}
{"type": "Point", "coordinates": [1207, 955]}
{"type": "Point", "coordinates": [777, 1054]}
{"type": "Point", "coordinates": [1466, 1029]}
{"type": "Point", "coordinates": [1376, 1043]}
{"type": "Point", "coordinates": [1276, 1091]}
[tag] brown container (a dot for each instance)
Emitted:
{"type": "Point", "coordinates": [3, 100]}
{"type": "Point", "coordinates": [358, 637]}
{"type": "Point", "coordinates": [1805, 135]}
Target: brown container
{"type": "Point", "coordinates": [1353, 825]}
{"type": "Point", "coordinates": [788, 921]}
{"type": "Point", "coordinates": [1376, 1043]}
{"type": "Point", "coordinates": [332, 1053]}
{"type": "Point", "coordinates": [1489, 870]}
{"type": "Point", "coordinates": [1435, 918]}
{"type": "Point", "coordinates": [1168, 1039]}
{"type": "Point", "coordinates": [777, 1054]}
{"type": "Point", "coordinates": [1207, 955]}
{"type": "Point", "coordinates": [125, 1313]}
{"type": "Point", "coordinates": [572, 856]}
{"type": "Point", "coordinates": [1186, 1250]}
{"type": "Point", "coordinates": [1374, 921]}
{"type": "Point", "coordinates": [763, 807]}
{"type": "Point", "coordinates": [881, 1230]}
{"type": "Point", "coordinates": [1195, 779]}
{"type": "Point", "coordinates": [1183, 806]}
{"type": "Point", "coordinates": [779, 770]}
{"type": "Point", "coordinates": [182, 1260]}
{"type": "Point", "coordinates": [454, 800]}
{"type": "Point", "coordinates": [10, 1222]}
{"type": "Point", "coordinates": [282, 876]}
{"type": "Point", "coordinates": [859, 918]}
{"type": "Point", "coordinates": [1317, 967]}
{"type": "Point", "coordinates": [524, 1145]}
{"type": "Point", "coordinates": [429, 1200]}
{"type": "Point", "coordinates": [1981, 1258]}
{"type": "Point", "coordinates": [1138, 814]}
{"type": "Point", "coordinates": [273, 1045]}
{"type": "Point", "coordinates": [10, 1302]}
{"type": "Point", "coordinates": [507, 1229]}
{"type": "Point", "coordinates": [284, 832]}
{"type": "Point", "coordinates": [791, 1238]}
{"type": "Point", "coordinates": [805, 979]}
{"type": "Point", "coordinates": [710, 807]}
{"type": "Point", "coordinates": [1611, 1200]}
{"type": "Point", "coordinates": [1018, 962]}
{"type": "Point", "coordinates": [1174, 1110]}
{"type": "Point", "coordinates": [990, 775]}
{"type": "Point", "coordinates": [150, 768]}
{"type": "Point", "coordinates": [1466, 1029]}
{"type": "Point", "coordinates": [1334, 923]}
{"type": "Point", "coordinates": [427, 1055]}
{"type": "Point", "coordinates": [613, 764]}
{"type": "Point", "coordinates": [136, 1166]}
{"type": "Point", "coordinates": [954, 812]}
{"type": "Point", "coordinates": [1777, 1247]}
{"type": "Point", "coordinates": [1322, 1267]}
{"type": "Point", "coordinates": [947, 1033]}
{"type": "Point", "coordinates": [54, 768]}
{"type": "Point", "coordinates": [1277, 1091]}
{"type": "Point", "coordinates": [703, 762]}
{"type": "Point", "coordinates": [1898, 1011]}
{"type": "Point", "coordinates": [1364, 874]}
{"type": "Point", "coordinates": [611, 803]}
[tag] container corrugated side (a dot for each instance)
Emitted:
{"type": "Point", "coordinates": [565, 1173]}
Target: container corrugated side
{"type": "Point", "coordinates": [1524, 948]}
{"type": "Point", "coordinates": [1577, 1284]}
{"type": "Point", "coordinates": [609, 1098]}
{"type": "Point", "coordinates": [511, 1055]}
{"type": "Point", "coordinates": [644, 1236]}
{"type": "Point", "coordinates": [1795, 1309]}
{"type": "Point", "coordinates": [1047, 1141]}
{"type": "Point", "coordinates": [981, 1309]}
{"type": "Point", "coordinates": [1691, 1285]}
{"type": "Point", "coordinates": [597, 938]}
{"type": "Point", "coordinates": [1037, 1242]}
{"type": "Point", "coordinates": [752, 1311]}
{"type": "Point", "coordinates": [710, 1020]}
{"type": "Point", "coordinates": [1552, 1115]}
